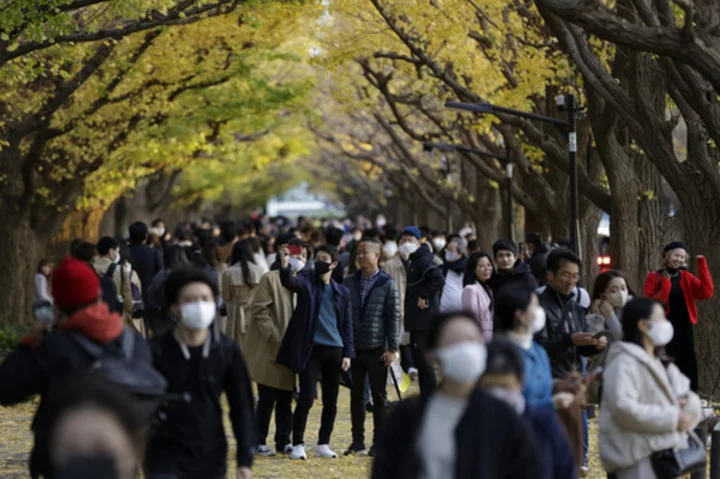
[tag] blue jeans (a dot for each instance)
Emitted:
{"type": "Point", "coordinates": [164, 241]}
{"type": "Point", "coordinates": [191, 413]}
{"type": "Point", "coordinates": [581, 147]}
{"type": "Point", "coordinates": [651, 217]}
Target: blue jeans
{"type": "Point", "coordinates": [367, 389]}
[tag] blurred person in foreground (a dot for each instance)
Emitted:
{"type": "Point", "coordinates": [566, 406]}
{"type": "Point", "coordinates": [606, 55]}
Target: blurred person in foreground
{"type": "Point", "coordinates": [46, 359]}
{"type": "Point", "coordinates": [95, 432]}
{"type": "Point", "coordinates": [457, 431]}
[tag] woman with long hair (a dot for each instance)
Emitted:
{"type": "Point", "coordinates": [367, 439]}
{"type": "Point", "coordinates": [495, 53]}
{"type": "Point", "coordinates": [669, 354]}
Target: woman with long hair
{"type": "Point", "coordinates": [678, 289]}
{"type": "Point", "coordinates": [42, 283]}
{"type": "Point", "coordinates": [238, 287]}
{"type": "Point", "coordinates": [610, 294]}
{"type": "Point", "coordinates": [477, 297]}
{"type": "Point", "coordinates": [647, 404]}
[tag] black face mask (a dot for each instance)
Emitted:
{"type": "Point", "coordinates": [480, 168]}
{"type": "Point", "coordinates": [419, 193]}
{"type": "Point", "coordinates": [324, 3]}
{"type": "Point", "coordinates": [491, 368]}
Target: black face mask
{"type": "Point", "coordinates": [322, 267]}
{"type": "Point", "coordinates": [88, 467]}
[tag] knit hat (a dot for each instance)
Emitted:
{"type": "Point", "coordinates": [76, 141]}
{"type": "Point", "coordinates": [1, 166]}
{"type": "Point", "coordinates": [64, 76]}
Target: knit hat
{"type": "Point", "coordinates": [504, 245]}
{"type": "Point", "coordinates": [675, 245]}
{"type": "Point", "coordinates": [74, 284]}
{"type": "Point", "coordinates": [412, 231]}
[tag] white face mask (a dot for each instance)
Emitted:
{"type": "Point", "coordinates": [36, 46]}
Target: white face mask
{"type": "Point", "coordinates": [660, 333]}
{"type": "Point", "coordinates": [408, 248]}
{"type": "Point", "coordinates": [296, 264]}
{"type": "Point", "coordinates": [539, 320]}
{"type": "Point", "coordinates": [390, 249]}
{"type": "Point", "coordinates": [451, 256]}
{"type": "Point", "coordinates": [116, 259]}
{"type": "Point", "coordinates": [160, 231]}
{"type": "Point", "coordinates": [439, 244]}
{"type": "Point", "coordinates": [463, 362]}
{"type": "Point", "coordinates": [618, 299]}
{"type": "Point", "coordinates": [198, 315]}
{"type": "Point", "coordinates": [514, 398]}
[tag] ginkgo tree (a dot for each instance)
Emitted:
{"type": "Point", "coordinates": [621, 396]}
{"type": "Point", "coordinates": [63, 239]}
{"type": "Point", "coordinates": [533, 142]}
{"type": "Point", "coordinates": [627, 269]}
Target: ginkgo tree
{"type": "Point", "coordinates": [92, 106]}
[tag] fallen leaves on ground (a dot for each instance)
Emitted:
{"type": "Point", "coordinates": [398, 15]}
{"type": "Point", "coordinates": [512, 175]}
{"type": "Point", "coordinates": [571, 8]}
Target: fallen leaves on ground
{"type": "Point", "coordinates": [17, 441]}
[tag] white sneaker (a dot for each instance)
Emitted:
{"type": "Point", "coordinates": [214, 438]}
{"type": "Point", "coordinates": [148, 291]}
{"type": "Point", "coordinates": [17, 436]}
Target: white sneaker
{"type": "Point", "coordinates": [323, 450]}
{"type": "Point", "coordinates": [413, 373]}
{"type": "Point", "coordinates": [298, 453]}
{"type": "Point", "coordinates": [288, 449]}
{"type": "Point", "coordinates": [264, 451]}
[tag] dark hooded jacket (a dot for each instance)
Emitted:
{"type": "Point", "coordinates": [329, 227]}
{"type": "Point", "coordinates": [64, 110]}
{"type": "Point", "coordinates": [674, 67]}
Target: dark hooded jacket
{"type": "Point", "coordinates": [424, 280]}
{"type": "Point", "coordinates": [38, 368]}
{"type": "Point", "coordinates": [538, 264]}
{"type": "Point", "coordinates": [520, 274]}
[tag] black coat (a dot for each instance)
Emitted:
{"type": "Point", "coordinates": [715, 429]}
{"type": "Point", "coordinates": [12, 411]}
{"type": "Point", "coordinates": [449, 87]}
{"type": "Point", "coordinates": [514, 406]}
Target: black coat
{"type": "Point", "coordinates": [147, 262]}
{"type": "Point", "coordinates": [377, 322]}
{"type": "Point", "coordinates": [190, 442]}
{"type": "Point", "coordinates": [520, 274]}
{"type": "Point", "coordinates": [30, 371]}
{"type": "Point", "coordinates": [564, 317]}
{"type": "Point", "coordinates": [491, 442]}
{"type": "Point", "coordinates": [299, 337]}
{"type": "Point", "coordinates": [424, 280]}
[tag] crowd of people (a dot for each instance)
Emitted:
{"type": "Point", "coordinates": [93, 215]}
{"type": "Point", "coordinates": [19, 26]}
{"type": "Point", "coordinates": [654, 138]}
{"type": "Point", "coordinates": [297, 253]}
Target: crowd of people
{"type": "Point", "coordinates": [140, 337]}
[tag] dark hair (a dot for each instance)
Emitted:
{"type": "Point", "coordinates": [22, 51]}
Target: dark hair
{"type": "Point", "coordinates": [175, 256]}
{"type": "Point", "coordinates": [508, 300]}
{"type": "Point", "coordinates": [228, 231]}
{"type": "Point", "coordinates": [634, 311]}
{"type": "Point", "coordinates": [184, 275]}
{"type": "Point", "coordinates": [503, 358]}
{"type": "Point", "coordinates": [333, 236]}
{"type": "Point", "coordinates": [473, 245]}
{"type": "Point", "coordinates": [203, 236]}
{"type": "Point", "coordinates": [558, 256]}
{"type": "Point", "coordinates": [85, 251]}
{"type": "Point", "coordinates": [438, 323]}
{"type": "Point", "coordinates": [534, 239]}
{"type": "Point", "coordinates": [124, 249]}
{"type": "Point", "coordinates": [106, 244]}
{"type": "Point", "coordinates": [472, 263]}
{"type": "Point", "coordinates": [317, 237]}
{"type": "Point", "coordinates": [603, 280]}
{"type": "Point", "coordinates": [94, 390]}
{"type": "Point", "coordinates": [243, 253]}
{"type": "Point", "coordinates": [41, 264]}
{"type": "Point", "coordinates": [74, 244]}
{"type": "Point", "coordinates": [138, 232]}
{"type": "Point", "coordinates": [157, 221]}
{"type": "Point", "coordinates": [373, 233]}
{"type": "Point", "coordinates": [329, 250]}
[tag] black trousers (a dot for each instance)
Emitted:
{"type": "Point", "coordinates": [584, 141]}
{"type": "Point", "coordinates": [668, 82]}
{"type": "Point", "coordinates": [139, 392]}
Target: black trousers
{"type": "Point", "coordinates": [368, 363]}
{"type": "Point", "coordinates": [270, 398]}
{"type": "Point", "coordinates": [328, 362]}
{"type": "Point", "coordinates": [426, 374]}
{"type": "Point", "coordinates": [406, 358]}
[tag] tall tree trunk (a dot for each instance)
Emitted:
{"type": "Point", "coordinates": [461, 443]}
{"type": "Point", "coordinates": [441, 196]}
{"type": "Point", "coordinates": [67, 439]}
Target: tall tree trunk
{"type": "Point", "coordinates": [21, 251]}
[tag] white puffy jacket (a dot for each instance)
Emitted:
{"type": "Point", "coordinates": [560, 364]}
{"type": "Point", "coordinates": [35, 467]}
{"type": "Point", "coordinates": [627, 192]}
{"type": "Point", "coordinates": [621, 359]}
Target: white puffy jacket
{"type": "Point", "coordinates": [640, 407]}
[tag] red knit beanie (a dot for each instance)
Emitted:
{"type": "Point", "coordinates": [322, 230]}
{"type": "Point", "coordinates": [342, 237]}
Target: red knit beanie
{"type": "Point", "coordinates": [74, 284]}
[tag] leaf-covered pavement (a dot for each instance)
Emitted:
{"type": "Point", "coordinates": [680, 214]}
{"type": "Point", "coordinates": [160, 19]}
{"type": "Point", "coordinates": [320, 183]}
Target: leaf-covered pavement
{"type": "Point", "coordinates": [17, 440]}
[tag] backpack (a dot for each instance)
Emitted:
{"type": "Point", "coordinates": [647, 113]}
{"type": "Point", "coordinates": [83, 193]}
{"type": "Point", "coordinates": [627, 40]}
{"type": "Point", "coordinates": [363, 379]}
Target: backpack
{"type": "Point", "coordinates": [137, 299]}
{"type": "Point", "coordinates": [110, 294]}
{"type": "Point", "coordinates": [143, 382]}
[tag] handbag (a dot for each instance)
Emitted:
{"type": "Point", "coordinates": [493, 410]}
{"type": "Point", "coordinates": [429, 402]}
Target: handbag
{"type": "Point", "coordinates": [672, 463]}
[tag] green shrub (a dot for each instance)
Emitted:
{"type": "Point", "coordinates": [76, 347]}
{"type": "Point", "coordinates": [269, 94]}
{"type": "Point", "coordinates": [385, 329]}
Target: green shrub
{"type": "Point", "coordinates": [9, 337]}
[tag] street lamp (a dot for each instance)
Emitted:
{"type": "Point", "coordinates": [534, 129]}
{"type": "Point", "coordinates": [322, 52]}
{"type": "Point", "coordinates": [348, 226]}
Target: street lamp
{"type": "Point", "coordinates": [566, 103]}
{"type": "Point", "coordinates": [504, 159]}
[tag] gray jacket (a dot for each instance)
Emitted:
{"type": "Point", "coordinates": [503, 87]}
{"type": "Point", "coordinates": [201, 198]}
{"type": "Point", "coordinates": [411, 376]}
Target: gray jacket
{"type": "Point", "coordinates": [377, 322]}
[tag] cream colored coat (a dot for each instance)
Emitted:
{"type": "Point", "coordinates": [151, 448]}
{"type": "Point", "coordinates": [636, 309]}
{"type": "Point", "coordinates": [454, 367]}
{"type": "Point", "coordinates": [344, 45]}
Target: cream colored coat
{"type": "Point", "coordinates": [237, 292]}
{"type": "Point", "coordinates": [395, 269]}
{"type": "Point", "coordinates": [122, 284]}
{"type": "Point", "coordinates": [271, 309]}
{"type": "Point", "coordinates": [640, 407]}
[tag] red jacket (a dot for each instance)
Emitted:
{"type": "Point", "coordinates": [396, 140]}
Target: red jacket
{"type": "Point", "coordinates": [695, 289]}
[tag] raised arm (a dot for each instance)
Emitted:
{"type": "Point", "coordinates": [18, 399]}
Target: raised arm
{"type": "Point", "coordinates": [702, 288]}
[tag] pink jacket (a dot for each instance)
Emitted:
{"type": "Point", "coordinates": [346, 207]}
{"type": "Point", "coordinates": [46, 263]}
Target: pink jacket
{"type": "Point", "coordinates": [475, 300]}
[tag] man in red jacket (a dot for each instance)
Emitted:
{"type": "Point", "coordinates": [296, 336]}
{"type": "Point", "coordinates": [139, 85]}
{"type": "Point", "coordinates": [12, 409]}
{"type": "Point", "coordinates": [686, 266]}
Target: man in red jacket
{"type": "Point", "coordinates": [679, 289]}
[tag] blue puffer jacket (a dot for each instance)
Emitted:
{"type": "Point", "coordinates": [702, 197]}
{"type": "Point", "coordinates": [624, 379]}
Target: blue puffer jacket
{"type": "Point", "coordinates": [377, 322]}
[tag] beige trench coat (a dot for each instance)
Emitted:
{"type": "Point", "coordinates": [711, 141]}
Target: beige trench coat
{"type": "Point", "coordinates": [120, 276]}
{"type": "Point", "coordinates": [271, 309]}
{"type": "Point", "coordinates": [237, 292]}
